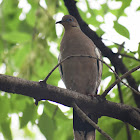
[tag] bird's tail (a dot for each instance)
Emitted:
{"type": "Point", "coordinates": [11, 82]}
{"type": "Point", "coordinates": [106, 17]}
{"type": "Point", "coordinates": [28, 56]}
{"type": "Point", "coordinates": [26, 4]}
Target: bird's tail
{"type": "Point", "coordinates": [82, 129]}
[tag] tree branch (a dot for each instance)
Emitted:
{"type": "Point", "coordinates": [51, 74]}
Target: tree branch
{"type": "Point", "coordinates": [96, 105]}
{"type": "Point", "coordinates": [128, 56]}
{"type": "Point", "coordinates": [118, 80]}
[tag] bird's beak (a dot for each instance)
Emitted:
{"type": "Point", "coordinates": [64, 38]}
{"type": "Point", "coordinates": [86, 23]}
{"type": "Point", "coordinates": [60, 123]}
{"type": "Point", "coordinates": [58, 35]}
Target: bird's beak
{"type": "Point", "coordinates": [58, 22]}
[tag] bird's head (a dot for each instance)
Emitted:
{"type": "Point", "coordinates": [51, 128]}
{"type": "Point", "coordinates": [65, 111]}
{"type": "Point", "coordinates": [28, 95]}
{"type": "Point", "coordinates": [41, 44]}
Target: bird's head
{"type": "Point", "coordinates": [68, 21]}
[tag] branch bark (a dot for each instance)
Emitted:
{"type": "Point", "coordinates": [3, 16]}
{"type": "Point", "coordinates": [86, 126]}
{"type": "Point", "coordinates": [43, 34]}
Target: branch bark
{"type": "Point", "coordinates": [115, 60]}
{"type": "Point", "coordinates": [66, 97]}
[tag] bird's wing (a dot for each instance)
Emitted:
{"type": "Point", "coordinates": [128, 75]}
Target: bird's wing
{"type": "Point", "coordinates": [60, 67]}
{"type": "Point", "coordinates": [99, 65]}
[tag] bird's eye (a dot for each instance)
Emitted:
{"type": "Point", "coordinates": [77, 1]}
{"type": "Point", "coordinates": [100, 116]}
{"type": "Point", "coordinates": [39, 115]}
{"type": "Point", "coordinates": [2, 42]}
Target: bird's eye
{"type": "Point", "coordinates": [70, 19]}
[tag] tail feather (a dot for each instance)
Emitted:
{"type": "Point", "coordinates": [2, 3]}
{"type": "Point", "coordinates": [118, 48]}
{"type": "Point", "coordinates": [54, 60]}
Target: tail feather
{"type": "Point", "coordinates": [82, 129]}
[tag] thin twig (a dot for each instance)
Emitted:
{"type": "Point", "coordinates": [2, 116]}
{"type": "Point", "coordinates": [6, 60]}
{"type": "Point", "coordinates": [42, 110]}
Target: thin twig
{"type": "Point", "coordinates": [129, 137]}
{"type": "Point", "coordinates": [128, 131]}
{"type": "Point", "coordinates": [68, 57]}
{"type": "Point", "coordinates": [120, 93]}
{"type": "Point", "coordinates": [119, 88]}
{"type": "Point", "coordinates": [118, 80]}
{"type": "Point", "coordinates": [85, 117]}
{"type": "Point", "coordinates": [125, 55]}
{"type": "Point", "coordinates": [122, 46]}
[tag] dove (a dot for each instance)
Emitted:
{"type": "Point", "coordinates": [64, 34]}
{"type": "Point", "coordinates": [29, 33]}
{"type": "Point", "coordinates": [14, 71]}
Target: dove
{"type": "Point", "coordinates": [80, 74]}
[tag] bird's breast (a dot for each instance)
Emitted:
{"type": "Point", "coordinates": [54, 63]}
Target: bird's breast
{"type": "Point", "coordinates": [74, 45]}
{"type": "Point", "coordinates": [79, 73]}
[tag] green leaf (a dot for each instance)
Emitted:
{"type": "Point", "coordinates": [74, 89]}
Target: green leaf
{"type": "Point", "coordinates": [100, 32]}
{"type": "Point", "coordinates": [121, 30]}
{"type": "Point", "coordinates": [47, 126]}
{"type": "Point", "coordinates": [29, 114]}
{"type": "Point", "coordinates": [4, 108]}
{"type": "Point", "coordinates": [19, 102]}
{"type": "Point", "coordinates": [16, 37]}
{"type": "Point", "coordinates": [9, 6]}
{"type": "Point", "coordinates": [53, 111]}
{"type": "Point", "coordinates": [138, 9]}
{"type": "Point", "coordinates": [125, 4]}
{"type": "Point", "coordinates": [5, 128]}
{"type": "Point", "coordinates": [25, 27]}
{"type": "Point", "coordinates": [139, 50]}
{"type": "Point", "coordinates": [106, 72]}
{"type": "Point", "coordinates": [17, 52]}
{"type": "Point", "coordinates": [136, 135]}
{"type": "Point", "coordinates": [65, 130]}
{"type": "Point", "coordinates": [31, 17]}
{"type": "Point", "coordinates": [121, 133]}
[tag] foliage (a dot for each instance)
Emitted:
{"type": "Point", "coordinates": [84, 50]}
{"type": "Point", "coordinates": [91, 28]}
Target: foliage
{"type": "Point", "coordinates": [25, 43]}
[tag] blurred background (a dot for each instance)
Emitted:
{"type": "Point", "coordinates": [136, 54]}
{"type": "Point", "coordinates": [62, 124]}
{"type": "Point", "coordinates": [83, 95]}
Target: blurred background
{"type": "Point", "coordinates": [29, 48]}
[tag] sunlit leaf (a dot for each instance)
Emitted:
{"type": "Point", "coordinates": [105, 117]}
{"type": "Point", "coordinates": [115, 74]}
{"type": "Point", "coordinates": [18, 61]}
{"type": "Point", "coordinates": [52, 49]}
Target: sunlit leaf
{"type": "Point", "coordinates": [121, 30]}
{"type": "Point", "coordinates": [6, 130]}
{"type": "Point", "coordinates": [47, 126]}
{"type": "Point", "coordinates": [31, 17]}
{"type": "Point", "coordinates": [138, 9]}
{"type": "Point", "coordinates": [139, 50]}
{"type": "Point", "coordinates": [16, 37]}
{"type": "Point", "coordinates": [125, 3]}
{"type": "Point", "coordinates": [53, 111]}
{"type": "Point", "coordinates": [29, 114]}
{"type": "Point", "coordinates": [4, 108]}
{"type": "Point", "coordinates": [61, 120]}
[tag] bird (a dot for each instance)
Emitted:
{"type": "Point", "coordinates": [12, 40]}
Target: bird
{"type": "Point", "coordinates": [80, 74]}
